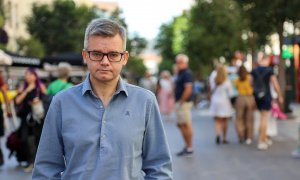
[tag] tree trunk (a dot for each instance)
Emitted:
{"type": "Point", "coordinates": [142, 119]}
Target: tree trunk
{"type": "Point", "coordinates": [281, 74]}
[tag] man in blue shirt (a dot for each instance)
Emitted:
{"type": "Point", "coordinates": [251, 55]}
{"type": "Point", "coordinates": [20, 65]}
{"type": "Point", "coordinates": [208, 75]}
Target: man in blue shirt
{"type": "Point", "coordinates": [103, 128]}
{"type": "Point", "coordinates": [184, 104]}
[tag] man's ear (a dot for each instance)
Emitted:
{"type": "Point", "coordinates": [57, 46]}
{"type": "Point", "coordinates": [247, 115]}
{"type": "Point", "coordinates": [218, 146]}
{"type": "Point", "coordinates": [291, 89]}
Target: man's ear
{"type": "Point", "coordinates": [126, 58]}
{"type": "Point", "coordinates": [84, 55]}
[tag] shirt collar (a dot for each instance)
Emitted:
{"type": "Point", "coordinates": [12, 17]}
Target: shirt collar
{"type": "Point", "coordinates": [121, 87]}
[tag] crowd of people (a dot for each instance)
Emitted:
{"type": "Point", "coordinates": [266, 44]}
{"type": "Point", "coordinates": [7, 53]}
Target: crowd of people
{"type": "Point", "coordinates": [29, 107]}
{"type": "Point", "coordinates": [235, 93]}
{"type": "Point", "coordinates": [253, 92]}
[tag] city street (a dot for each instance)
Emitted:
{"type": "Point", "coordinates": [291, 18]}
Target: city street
{"type": "Point", "coordinates": [212, 162]}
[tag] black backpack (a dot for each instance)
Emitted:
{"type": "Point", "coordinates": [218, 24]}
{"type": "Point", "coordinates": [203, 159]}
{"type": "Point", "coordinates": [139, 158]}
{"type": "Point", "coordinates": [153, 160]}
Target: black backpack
{"type": "Point", "coordinates": [259, 86]}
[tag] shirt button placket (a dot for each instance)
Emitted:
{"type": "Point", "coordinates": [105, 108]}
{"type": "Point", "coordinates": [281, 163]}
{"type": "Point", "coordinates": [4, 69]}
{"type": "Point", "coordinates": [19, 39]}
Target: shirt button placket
{"type": "Point", "coordinates": [102, 137]}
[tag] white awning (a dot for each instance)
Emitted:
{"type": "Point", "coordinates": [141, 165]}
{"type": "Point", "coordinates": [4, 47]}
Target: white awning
{"type": "Point", "coordinates": [5, 59]}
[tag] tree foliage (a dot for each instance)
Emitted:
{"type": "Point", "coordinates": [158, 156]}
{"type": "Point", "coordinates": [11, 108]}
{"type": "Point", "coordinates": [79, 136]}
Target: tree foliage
{"type": "Point", "coordinates": [215, 30]}
{"type": "Point", "coordinates": [135, 46]}
{"type": "Point", "coordinates": [171, 41]}
{"type": "Point", "coordinates": [136, 67]}
{"type": "Point", "coordinates": [59, 27]}
{"type": "Point", "coordinates": [2, 14]}
{"type": "Point", "coordinates": [164, 41]}
{"type": "Point", "coordinates": [210, 30]}
{"type": "Point", "coordinates": [31, 47]}
{"type": "Point", "coordinates": [267, 17]}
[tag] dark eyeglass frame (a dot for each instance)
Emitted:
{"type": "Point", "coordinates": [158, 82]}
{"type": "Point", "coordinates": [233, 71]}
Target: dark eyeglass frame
{"type": "Point", "coordinates": [107, 55]}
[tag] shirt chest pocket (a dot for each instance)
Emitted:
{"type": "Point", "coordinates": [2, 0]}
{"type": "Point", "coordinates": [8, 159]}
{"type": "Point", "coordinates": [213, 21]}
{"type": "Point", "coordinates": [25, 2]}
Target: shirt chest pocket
{"type": "Point", "coordinates": [127, 130]}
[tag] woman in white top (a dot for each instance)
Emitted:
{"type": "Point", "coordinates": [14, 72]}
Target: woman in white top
{"type": "Point", "coordinates": [220, 106]}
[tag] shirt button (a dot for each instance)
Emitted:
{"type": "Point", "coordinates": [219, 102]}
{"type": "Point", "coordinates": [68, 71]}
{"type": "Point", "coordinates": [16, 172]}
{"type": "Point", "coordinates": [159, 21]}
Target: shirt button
{"type": "Point", "coordinates": [101, 106]}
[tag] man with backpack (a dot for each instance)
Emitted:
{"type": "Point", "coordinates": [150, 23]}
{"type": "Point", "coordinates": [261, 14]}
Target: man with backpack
{"type": "Point", "coordinates": [262, 77]}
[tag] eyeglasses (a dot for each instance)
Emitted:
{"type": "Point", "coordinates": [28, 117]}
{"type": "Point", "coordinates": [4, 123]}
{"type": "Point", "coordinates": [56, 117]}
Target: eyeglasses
{"type": "Point", "coordinates": [111, 56]}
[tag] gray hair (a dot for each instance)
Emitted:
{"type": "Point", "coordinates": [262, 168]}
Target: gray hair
{"type": "Point", "coordinates": [64, 70]}
{"type": "Point", "coordinates": [105, 28]}
{"type": "Point", "coordinates": [184, 57]}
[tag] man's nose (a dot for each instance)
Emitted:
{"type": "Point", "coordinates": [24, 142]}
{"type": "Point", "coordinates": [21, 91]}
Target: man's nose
{"type": "Point", "coordinates": [105, 59]}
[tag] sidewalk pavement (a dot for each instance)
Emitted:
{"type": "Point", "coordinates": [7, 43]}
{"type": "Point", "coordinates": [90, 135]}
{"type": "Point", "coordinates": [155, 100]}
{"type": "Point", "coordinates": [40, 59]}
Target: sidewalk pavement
{"type": "Point", "coordinates": [234, 161]}
{"type": "Point", "coordinates": [289, 128]}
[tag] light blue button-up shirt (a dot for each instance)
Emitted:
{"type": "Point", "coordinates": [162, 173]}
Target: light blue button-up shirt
{"type": "Point", "coordinates": [82, 140]}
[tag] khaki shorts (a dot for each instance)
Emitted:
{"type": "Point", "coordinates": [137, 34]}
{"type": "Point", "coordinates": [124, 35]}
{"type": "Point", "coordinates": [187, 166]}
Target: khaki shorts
{"type": "Point", "coordinates": [183, 112]}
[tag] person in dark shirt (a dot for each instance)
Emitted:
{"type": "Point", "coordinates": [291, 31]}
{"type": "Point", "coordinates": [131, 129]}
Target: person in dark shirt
{"type": "Point", "coordinates": [263, 102]}
{"type": "Point", "coordinates": [184, 104]}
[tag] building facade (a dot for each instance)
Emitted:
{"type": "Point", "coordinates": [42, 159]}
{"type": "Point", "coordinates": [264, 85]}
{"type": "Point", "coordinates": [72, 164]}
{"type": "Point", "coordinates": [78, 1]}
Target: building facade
{"type": "Point", "coordinates": [16, 12]}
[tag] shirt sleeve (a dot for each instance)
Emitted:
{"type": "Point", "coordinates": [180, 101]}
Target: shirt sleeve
{"type": "Point", "coordinates": [188, 78]}
{"type": "Point", "coordinates": [49, 162]}
{"type": "Point", "coordinates": [156, 155]}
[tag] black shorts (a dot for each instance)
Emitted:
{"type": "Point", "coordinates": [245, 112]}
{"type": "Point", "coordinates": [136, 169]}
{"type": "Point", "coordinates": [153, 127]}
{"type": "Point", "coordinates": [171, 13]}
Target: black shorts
{"type": "Point", "coordinates": [263, 103]}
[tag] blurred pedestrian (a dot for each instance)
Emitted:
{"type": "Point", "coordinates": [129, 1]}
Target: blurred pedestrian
{"type": "Point", "coordinates": [103, 128]}
{"type": "Point", "coordinates": [198, 87]}
{"type": "Point", "coordinates": [3, 90]}
{"type": "Point", "coordinates": [165, 93]}
{"type": "Point", "coordinates": [244, 106]}
{"type": "Point", "coordinates": [147, 82]}
{"type": "Point", "coordinates": [212, 78]}
{"type": "Point", "coordinates": [262, 77]}
{"type": "Point", "coordinates": [220, 106]}
{"type": "Point", "coordinates": [184, 104]}
{"type": "Point", "coordinates": [30, 128]}
{"type": "Point", "coordinates": [62, 82]}
{"type": "Point", "coordinates": [232, 70]}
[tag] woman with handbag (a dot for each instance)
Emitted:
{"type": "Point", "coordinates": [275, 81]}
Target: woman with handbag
{"type": "Point", "coordinates": [29, 100]}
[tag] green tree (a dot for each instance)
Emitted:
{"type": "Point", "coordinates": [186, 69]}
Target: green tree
{"type": "Point", "coordinates": [215, 30]}
{"type": "Point", "coordinates": [164, 41]}
{"type": "Point", "coordinates": [211, 29]}
{"type": "Point", "coordinates": [170, 40]}
{"type": "Point", "coordinates": [59, 27]}
{"type": "Point", "coordinates": [180, 27]}
{"type": "Point", "coordinates": [31, 47]}
{"type": "Point", "coordinates": [164, 44]}
{"type": "Point", "coordinates": [136, 67]}
{"type": "Point", "coordinates": [2, 14]}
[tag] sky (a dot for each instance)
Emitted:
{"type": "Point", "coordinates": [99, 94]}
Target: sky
{"type": "Point", "coordinates": [146, 16]}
